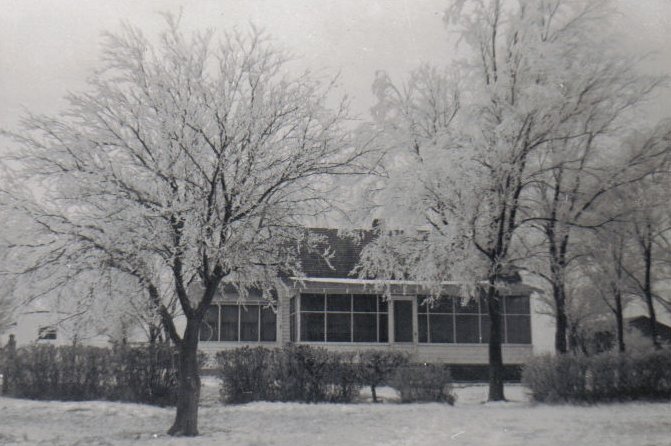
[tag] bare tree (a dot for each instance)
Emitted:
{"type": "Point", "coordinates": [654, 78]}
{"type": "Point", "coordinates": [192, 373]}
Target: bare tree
{"type": "Point", "coordinates": [187, 161]}
{"type": "Point", "coordinates": [650, 251]}
{"type": "Point", "coordinates": [469, 171]}
{"type": "Point", "coordinates": [585, 174]}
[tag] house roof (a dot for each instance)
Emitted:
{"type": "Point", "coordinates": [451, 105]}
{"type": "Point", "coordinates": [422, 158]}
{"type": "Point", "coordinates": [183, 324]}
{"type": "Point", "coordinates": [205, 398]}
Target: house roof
{"type": "Point", "coordinates": [336, 253]}
{"type": "Point", "coordinates": [642, 323]}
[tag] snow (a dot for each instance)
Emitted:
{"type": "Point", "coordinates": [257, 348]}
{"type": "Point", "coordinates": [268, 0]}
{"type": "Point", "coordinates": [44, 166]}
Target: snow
{"type": "Point", "coordinates": [364, 281]}
{"type": "Point", "coordinates": [469, 422]}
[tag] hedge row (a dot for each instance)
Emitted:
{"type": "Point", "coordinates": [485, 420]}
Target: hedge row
{"type": "Point", "coordinates": [76, 373]}
{"type": "Point", "coordinates": [313, 374]}
{"type": "Point", "coordinates": [608, 376]}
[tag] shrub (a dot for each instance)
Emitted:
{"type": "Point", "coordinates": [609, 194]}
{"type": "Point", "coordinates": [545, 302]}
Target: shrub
{"type": "Point", "coordinates": [376, 367]}
{"type": "Point", "coordinates": [147, 374]}
{"type": "Point", "coordinates": [247, 375]}
{"type": "Point", "coordinates": [608, 376]}
{"type": "Point", "coordinates": [63, 373]}
{"type": "Point", "coordinates": [555, 378]}
{"type": "Point", "coordinates": [345, 380]}
{"type": "Point", "coordinates": [138, 374]}
{"type": "Point", "coordinates": [293, 373]}
{"type": "Point", "coordinates": [423, 382]}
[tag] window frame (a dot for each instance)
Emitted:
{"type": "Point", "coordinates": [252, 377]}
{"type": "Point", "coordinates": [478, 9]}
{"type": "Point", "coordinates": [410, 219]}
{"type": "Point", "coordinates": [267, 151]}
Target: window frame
{"type": "Point", "coordinates": [261, 307]}
{"type": "Point", "coordinates": [424, 311]}
{"type": "Point", "coordinates": [381, 311]}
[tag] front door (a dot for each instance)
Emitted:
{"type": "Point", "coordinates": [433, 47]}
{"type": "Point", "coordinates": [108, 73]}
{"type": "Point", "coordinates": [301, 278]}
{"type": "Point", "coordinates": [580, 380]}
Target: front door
{"type": "Point", "coordinates": [403, 330]}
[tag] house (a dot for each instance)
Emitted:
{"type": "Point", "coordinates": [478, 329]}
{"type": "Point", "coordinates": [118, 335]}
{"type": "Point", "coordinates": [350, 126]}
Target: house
{"type": "Point", "coordinates": [642, 324]}
{"type": "Point", "coordinates": [329, 307]}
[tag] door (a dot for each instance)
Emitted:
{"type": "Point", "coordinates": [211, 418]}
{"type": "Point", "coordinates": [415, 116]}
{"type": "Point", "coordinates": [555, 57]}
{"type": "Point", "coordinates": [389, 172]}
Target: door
{"type": "Point", "coordinates": [403, 329]}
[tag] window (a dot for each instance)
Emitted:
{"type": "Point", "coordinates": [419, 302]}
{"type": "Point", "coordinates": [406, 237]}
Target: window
{"type": "Point", "coordinates": [342, 318]}
{"type": "Point", "coordinates": [517, 320]}
{"type": "Point", "coordinates": [435, 320]}
{"type": "Point", "coordinates": [233, 323]}
{"type": "Point", "coordinates": [450, 320]}
{"type": "Point", "coordinates": [293, 327]}
{"type": "Point", "coordinates": [46, 333]}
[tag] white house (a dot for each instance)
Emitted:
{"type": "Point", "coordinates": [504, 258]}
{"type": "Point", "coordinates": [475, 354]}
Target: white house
{"type": "Point", "coordinates": [329, 307]}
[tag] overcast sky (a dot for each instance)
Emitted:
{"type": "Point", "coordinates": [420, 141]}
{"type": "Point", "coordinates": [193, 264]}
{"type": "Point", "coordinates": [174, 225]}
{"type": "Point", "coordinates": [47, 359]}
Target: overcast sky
{"type": "Point", "coordinates": [48, 47]}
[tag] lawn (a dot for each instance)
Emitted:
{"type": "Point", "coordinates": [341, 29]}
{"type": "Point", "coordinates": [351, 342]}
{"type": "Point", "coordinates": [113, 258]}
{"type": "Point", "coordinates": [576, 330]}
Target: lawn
{"type": "Point", "coordinates": [469, 422]}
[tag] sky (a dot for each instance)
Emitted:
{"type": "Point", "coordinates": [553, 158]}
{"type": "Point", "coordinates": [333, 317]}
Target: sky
{"type": "Point", "coordinates": [48, 48]}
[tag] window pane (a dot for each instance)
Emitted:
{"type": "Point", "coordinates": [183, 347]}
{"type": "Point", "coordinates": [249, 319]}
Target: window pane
{"type": "Point", "coordinates": [365, 303]}
{"type": "Point", "coordinates": [209, 329]}
{"type": "Point", "coordinates": [468, 329]}
{"type": "Point", "coordinates": [269, 324]}
{"type": "Point", "coordinates": [338, 302]}
{"type": "Point", "coordinates": [443, 305]}
{"type": "Point", "coordinates": [402, 321]}
{"type": "Point", "coordinates": [312, 327]}
{"type": "Point", "coordinates": [517, 305]}
{"type": "Point", "coordinates": [518, 329]}
{"type": "Point", "coordinates": [338, 327]}
{"type": "Point", "coordinates": [382, 304]}
{"type": "Point", "coordinates": [441, 328]}
{"type": "Point", "coordinates": [465, 305]}
{"type": "Point", "coordinates": [422, 327]}
{"type": "Point", "coordinates": [383, 327]}
{"type": "Point", "coordinates": [365, 328]}
{"type": "Point", "coordinates": [312, 302]}
{"type": "Point", "coordinates": [229, 322]}
{"type": "Point", "coordinates": [483, 305]}
{"type": "Point", "coordinates": [422, 305]}
{"type": "Point", "coordinates": [249, 323]}
{"type": "Point", "coordinates": [292, 327]}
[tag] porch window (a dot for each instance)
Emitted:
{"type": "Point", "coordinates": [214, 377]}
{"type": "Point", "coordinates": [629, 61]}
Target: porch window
{"type": "Point", "coordinates": [517, 320]}
{"type": "Point", "coordinates": [343, 318]}
{"type": "Point", "coordinates": [449, 320]}
{"type": "Point", "coordinates": [236, 322]}
{"type": "Point", "coordinates": [435, 320]}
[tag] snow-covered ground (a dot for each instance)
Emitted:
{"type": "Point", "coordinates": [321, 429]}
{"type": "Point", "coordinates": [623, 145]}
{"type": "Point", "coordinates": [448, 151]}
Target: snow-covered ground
{"type": "Point", "coordinates": [469, 422]}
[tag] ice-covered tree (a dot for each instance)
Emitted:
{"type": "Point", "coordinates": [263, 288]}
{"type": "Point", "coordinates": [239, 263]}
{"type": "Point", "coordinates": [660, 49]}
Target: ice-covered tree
{"type": "Point", "coordinates": [468, 150]}
{"type": "Point", "coordinates": [602, 267]}
{"type": "Point", "coordinates": [192, 159]}
{"type": "Point", "coordinates": [649, 242]}
{"type": "Point", "coordinates": [584, 173]}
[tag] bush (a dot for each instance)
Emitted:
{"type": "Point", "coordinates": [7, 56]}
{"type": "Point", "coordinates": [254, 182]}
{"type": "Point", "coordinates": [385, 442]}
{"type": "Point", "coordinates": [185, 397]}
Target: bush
{"type": "Point", "coordinates": [608, 376]}
{"type": "Point", "coordinates": [423, 382]}
{"type": "Point", "coordinates": [64, 373]}
{"type": "Point", "coordinates": [147, 374]}
{"type": "Point", "coordinates": [76, 373]}
{"type": "Point", "coordinates": [376, 367]}
{"type": "Point", "coordinates": [293, 373]}
{"type": "Point", "coordinates": [247, 375]}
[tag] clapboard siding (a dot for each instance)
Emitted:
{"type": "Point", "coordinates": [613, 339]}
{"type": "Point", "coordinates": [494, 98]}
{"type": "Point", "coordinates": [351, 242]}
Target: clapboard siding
{"type": "Point", "coordinates": [445, 353]}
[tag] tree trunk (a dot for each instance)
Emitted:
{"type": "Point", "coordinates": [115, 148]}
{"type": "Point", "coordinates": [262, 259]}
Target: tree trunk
{"type": "Point", "coordinates": [373, 392]}
{"type": "Point", "coordinates": [495, 354]}
{"type": "Point", "coordinates": [559, 295]}
{"type": "Point", "coordinates": [557, 251]}
{"type": "Point", "coordinates": [619, 318]}
{"type": "Point", "coordinates": [188, 393]}
{"type": "Point", "coordinates": [647, 284]}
